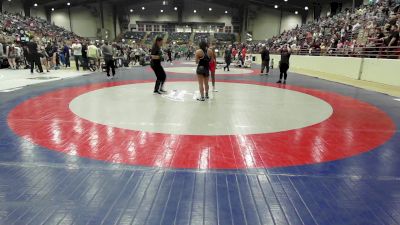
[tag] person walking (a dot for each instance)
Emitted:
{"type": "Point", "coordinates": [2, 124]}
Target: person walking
{"type": "Point", "coordinates": [156, 57]}
{"type": "Point", "coordinates": [264, 60]}
{"type": "Point", "coordinates": [284, 63]}
{"type": "Point", "coordinates": [228, 58]}
{"type": "Point", "coordinates": [108, 55]}
{"type": "Point", "coordinates": [203, 69]}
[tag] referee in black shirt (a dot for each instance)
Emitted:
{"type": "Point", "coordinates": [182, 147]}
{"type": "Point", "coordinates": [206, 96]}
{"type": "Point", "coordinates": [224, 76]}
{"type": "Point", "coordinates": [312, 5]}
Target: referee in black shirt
{"type": "Point", "coordinates": [156, 56]}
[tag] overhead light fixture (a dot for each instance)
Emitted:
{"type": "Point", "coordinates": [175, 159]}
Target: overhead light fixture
{"type": "Point", "coordinates": [35, 4]}
{"type": "Point", "coordinates": [306, 8]}
{"type": "Point", "coordinates": [131, 10]}
{"type": "Point", "coordinates": [162, 10]}
{"type": "Point", "coordinates": [195, 11]}
{"type": "Point", "coordinates": [210, 9]}
{"type": "Point", "coordinates": [68, 3]}
{"type": "Point", "coordinates": [52, 9]}
{"type": "Point", "coordinates": [275, 6]}
{"type": "Point", "coordinates": [175, 8]}
{"type": "Point", "coordinates": [164, 2]}
{"type": "Point", "coordinates": [296, 12]}
{"type": "Point", "coordinates": [143, 8]}
{"type": "Point", "coordinates": [9, 0]}
{"type": "Point", "coordinates": [285, 0]}
{"type": "Point", "coordinates": [226, 12]}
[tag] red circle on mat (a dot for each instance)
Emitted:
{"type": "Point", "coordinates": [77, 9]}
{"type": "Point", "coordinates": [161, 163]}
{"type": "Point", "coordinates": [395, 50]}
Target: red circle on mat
{"type": "Point", "coordinates": [354, 127]}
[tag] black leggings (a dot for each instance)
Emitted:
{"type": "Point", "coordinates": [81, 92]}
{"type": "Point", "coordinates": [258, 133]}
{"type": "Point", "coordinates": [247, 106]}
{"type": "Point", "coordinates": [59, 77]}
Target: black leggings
{"type": "Point", "coordinates": [283, 70]}
{"type": "Point", "coordinates": [35, 59]}
{"type": "Point", "coordinates": [228, 63]}
{"type": "Point", "coordinates": [161, 76]}
{"type": "Point", "coordinates": [110, 65]}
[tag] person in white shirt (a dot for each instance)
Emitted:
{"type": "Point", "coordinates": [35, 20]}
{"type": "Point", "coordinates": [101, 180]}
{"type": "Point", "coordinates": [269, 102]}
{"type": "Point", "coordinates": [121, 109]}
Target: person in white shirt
{"type": "Point", "coordinates": [77, 51]}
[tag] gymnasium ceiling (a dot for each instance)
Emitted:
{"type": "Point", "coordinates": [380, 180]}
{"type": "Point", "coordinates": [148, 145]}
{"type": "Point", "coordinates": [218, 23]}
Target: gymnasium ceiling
{"type": "Point", "coordinates": [291, 5]}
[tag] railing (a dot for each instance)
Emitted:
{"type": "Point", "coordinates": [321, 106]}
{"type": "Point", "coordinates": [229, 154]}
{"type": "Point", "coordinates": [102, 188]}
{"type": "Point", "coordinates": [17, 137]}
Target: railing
{"type": "Point", "coordinates": [363, 52]}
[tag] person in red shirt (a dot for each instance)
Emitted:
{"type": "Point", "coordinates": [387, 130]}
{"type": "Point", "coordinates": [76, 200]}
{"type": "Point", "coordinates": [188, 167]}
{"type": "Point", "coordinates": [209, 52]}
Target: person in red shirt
{"type": "Point", "coordinates": [234, 52]}
{"type": "Point", "coordinates": [244, 52]}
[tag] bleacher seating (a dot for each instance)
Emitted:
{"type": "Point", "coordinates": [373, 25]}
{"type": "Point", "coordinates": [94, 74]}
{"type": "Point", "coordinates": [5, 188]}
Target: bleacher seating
{"type": "Point", "coordinates": [150, 37]}
{"type": "Point", "coordinates": [179, 37]}
{"type": "Point", "coordinates": [135, 35]}
{"type": "Point", "coordinates": [225, 37]}
{"type": "Point", "coordinates": [201, 36]}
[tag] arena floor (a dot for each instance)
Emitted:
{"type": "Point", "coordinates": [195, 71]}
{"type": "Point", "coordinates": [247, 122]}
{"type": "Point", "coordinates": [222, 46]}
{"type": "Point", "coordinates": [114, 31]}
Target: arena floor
{"type": "Point", "coordinates": [88, 150]}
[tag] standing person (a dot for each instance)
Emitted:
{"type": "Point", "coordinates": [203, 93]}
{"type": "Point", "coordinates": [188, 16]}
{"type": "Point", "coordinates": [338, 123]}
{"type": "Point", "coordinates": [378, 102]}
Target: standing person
{"type": "Point", "coordinates": [156, 56]}
{"type": "Point", "coordinates": [44, 56]}
{"type": "Point", "coordinates": [284, 63]}
{"type": "Point", "coordinates": [11, 56]}
{"type": "Point", "coordinates": [108, 55]}
{"type": "Point", "coordinates": [213, 67]}
{"type": "Point", "coordinates": [244, 53]}
{"type": "Point", "coordinates": [228, 58]}
{"type": "Point", "coordinates": [85, 60]}
{"type": "Point", "coordinates": [33, 55]}
{"type": "Point", "coordinates": [189, 54]}
{"type": "Point", "coordinates": [234, 52]}
{"type": "Point", "coordinates": [67, 56]}
{"type": "Point", "coordinates": [169, 53]}
{"type": "Point", "coordinates": [77, 51]}
{"type": "Point", "coordinates": [49, 55]}
{"type": "Point", "coordinates": [265, 60]}
{"type": "Point", "coordinates": [203, 69]}
{"type": "Point", "coordinates": [1, 53]}
{"type": "Point", "coordinates": [93, 54]}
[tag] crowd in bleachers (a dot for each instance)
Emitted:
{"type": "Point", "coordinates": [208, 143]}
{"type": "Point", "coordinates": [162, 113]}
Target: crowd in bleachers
{"type": "Point", "coordinates": [369, 30]}
{"type": "Point", "coordinates": [181, 37]}
{"type": "Point", "coordinates": [201, 36]}
{"type": "Point", "coordinates": [15, 25]}
{"type": "Point", "coordinates": [150, 37]}
{"type": "Point", "coordinates": [224, 37]}
{"type": "Point", "coordinates": [136, 36]}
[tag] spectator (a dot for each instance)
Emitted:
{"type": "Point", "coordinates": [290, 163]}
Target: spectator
{"type": "Point", "coordinates": [77, 51]}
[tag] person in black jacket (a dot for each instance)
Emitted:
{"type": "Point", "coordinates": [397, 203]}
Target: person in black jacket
{"type": "Point", "coordinates": [284, 63]}
{"type": "Point", "coordinates": [156, 57]}
{"type": "Point", "coordinates": [265, 60]}
{"type": "Point", "coordinates": [33, 56]}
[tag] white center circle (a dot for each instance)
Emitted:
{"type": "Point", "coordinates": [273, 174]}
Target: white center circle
{"type": "Point", "coordinates": [235, 109]}
{"type": "Point", "coordinates": [192, 70]}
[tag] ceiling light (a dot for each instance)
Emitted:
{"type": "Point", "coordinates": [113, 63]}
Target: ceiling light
{"type": "Point", "coordinates": [143, 8]}
{"type": "Point", "coordinates": [275, 6]}
{"type": "Point", "coordinates": [295, 12]}
{"type": "Point", "coordinates": [35, 4]}
{"type": "Point", "coordinates": [226, 12]}
{"type": "Point", "coordinates": [68, 3]}
{"type": "Point", "coordinates": [52, 9]}
{"type": "Point", "coordinates": [306, 8]}
{"type": "Point", "coordinates": [161, 10]}
{"type": "Point", "coordinates": [285, 0]}
{"type": "Point", "coordinates": [195, 11]}
{"type": "Point", "coordinates": [175, 8]}
{"type": "Point", "coordinates": [209, 9]}
{"type": "Point", "coordinates": [164, 2]}
{"type": "Point", "coordinates": [131, 10]}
